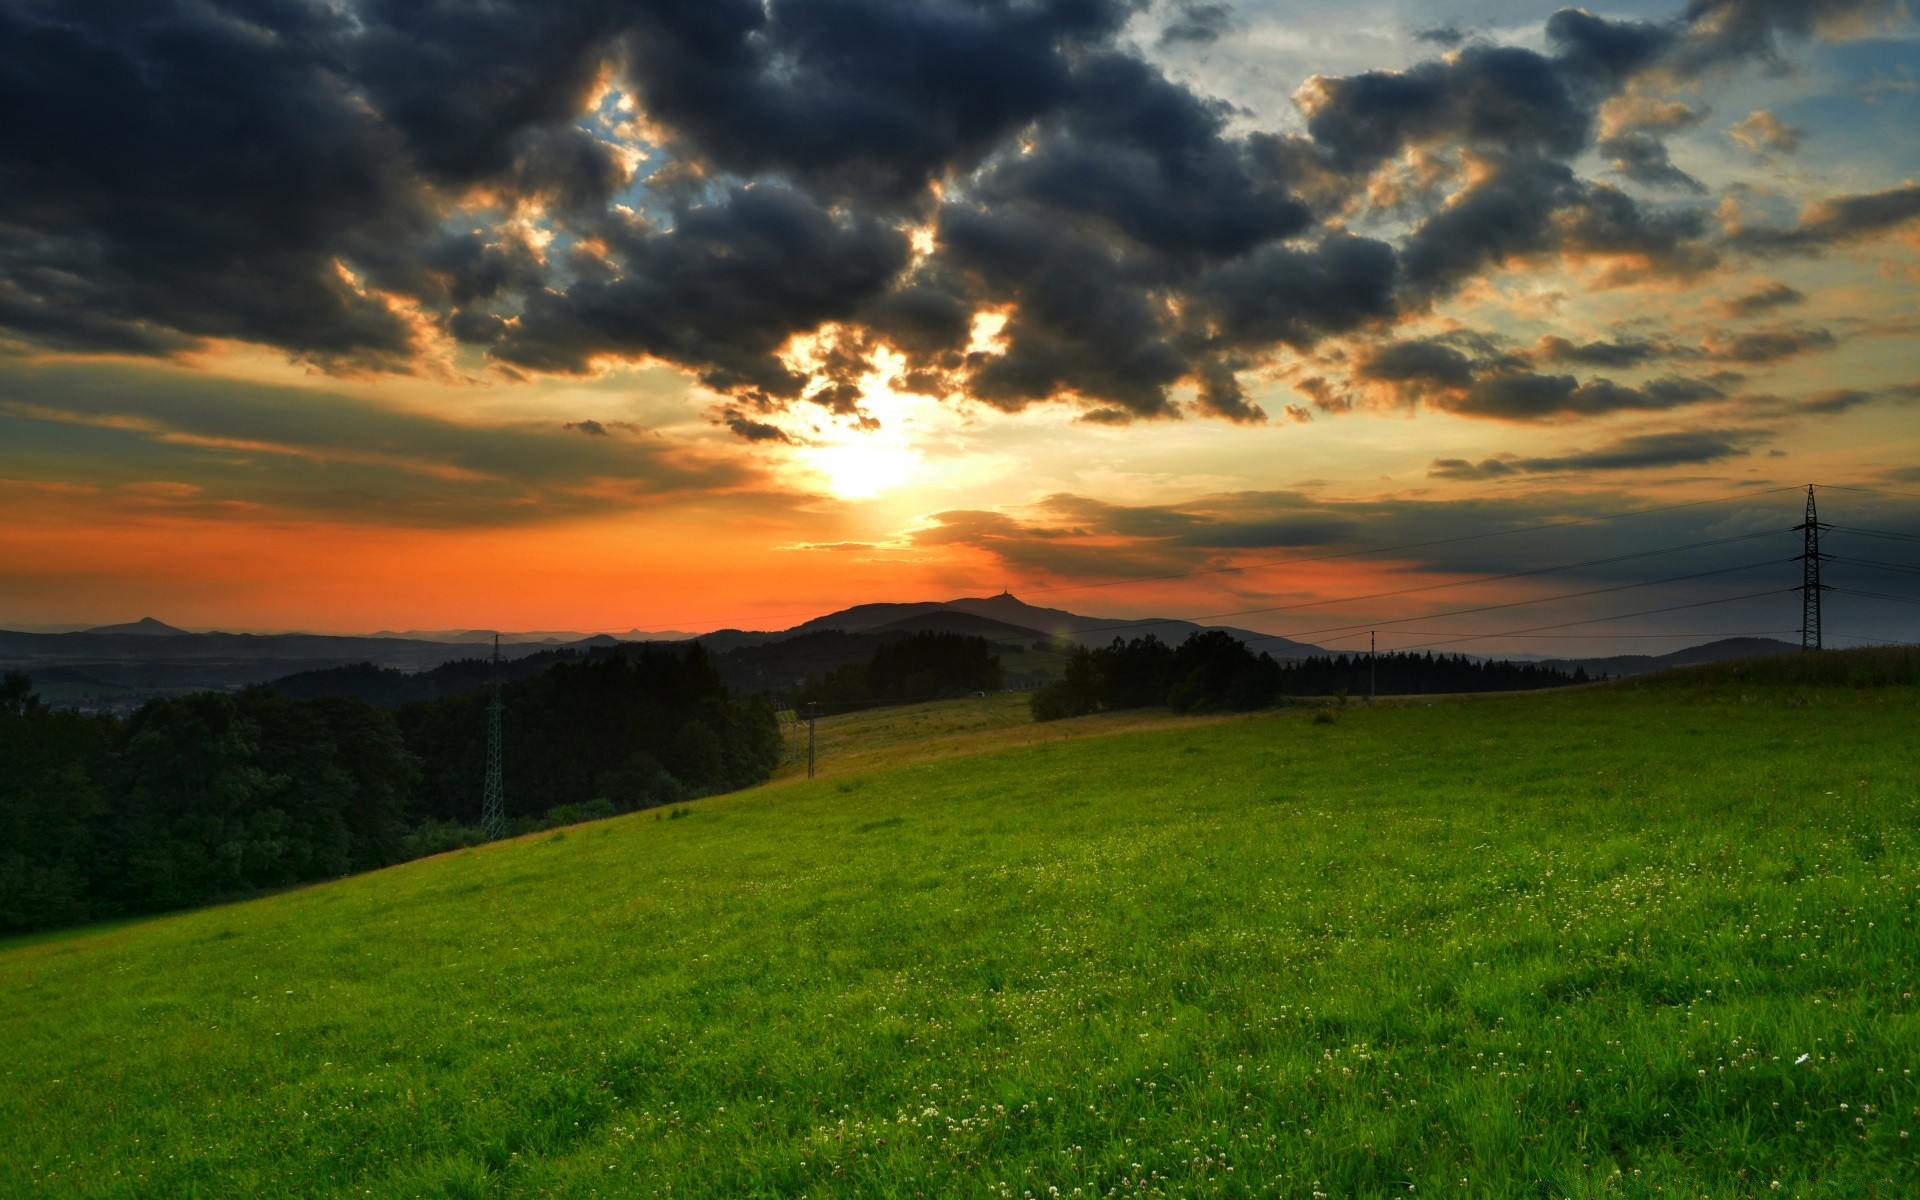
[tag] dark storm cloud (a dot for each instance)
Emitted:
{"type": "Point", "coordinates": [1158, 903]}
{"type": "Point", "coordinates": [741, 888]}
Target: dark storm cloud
{"type": "Point", "coordinates": [1296, 297]}
{"type": "Point", "coordinates": [1833, 222]}
{"type": "Point", "coordinates": [719, 292]}
{"type": "Point", "coordinates": [1488, 97]}
{"type": "Point", "coordinates": [1770, 345]}
{"type": "Point", "coordinates": [344, 181]}
{"type": "Point", "coordinates": [1422, 363]}
{"type": "Point", "coordinates": [1643, 158]}
{"type": "Point", "coordinates": [1763, 299]}
{"type": "Point", "coordinates": [1530, 207]}
{"type": "Point", "coordinates": [1504, 387]}
{"type": "Point", "coordinates": [1720, 32]}
{"type": "Point", "coordinates": [1633, 453]}
{"type": "Point", "coordinates": [167, 168]}
{"type": "Point", "coordinates": [858, 98]}
{"type": "Point", "coordinates": [749, 430]}
{"type": "Point", "coordinates": [1197, 23]}
{"type": "Point", "coordinates": [1623, 352]}
{"type": "Point", "coordinates": [1529, 396]}
{"type": "Point", "coordinates": [1829, 401]}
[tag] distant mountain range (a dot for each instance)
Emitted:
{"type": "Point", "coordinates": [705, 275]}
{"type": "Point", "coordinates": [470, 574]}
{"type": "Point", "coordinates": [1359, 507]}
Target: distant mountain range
{"type": "Point", "coordinates": [1640, 664]}
{"type": "Point", "coordinates": [996, 617]}
{"type": "Point", "coordinates": [149, 656]}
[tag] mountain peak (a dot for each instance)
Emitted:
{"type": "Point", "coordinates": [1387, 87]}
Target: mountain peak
{"type": "Point", "coordinates": [144, 627]}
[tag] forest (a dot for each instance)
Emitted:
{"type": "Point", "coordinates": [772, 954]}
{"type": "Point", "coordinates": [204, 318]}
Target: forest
{"type": "Point", "coordinates": [210, 795]}
{"type": "Point", "coordinates": [919, 666]}
{"type": "Point", "coordinates": [1216, 672]}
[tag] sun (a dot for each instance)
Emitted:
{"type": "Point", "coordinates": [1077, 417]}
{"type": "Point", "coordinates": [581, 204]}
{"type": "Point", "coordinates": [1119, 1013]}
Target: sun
{"type": "Point", "coordinates": [863, 469]}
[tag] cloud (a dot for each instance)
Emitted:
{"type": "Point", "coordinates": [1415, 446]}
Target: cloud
{"type": "Point", "coordinates": [1643, 158]}
{"type": "Point", "coordinates": [1505, 387]}
{"type": "Point", "coordinates": [721, 292]}
{"type": "Point", "coordinates": [749, 430]}
{"type": "Point", "coordinates": [1196, 23]}
{"type": "Point", "coordinates": [1624, 352]}
{"type": "Point", "coordinates": [1835, 221]}
{"type": "Point", "coordinates": [1769, 345]}
{"type": "Point", "coordinates": [1763, 299]}
{"type": "Point", "coordinates": [395, 187]}
{"type": "Point", "coordinates": [1636, 452]}
{"type": "Point", "coordinates": [250, 449]}
{"type": "Point", "coordinates": [1763, 133]}
{"type": "Point", "coordinates": [1233, 534]}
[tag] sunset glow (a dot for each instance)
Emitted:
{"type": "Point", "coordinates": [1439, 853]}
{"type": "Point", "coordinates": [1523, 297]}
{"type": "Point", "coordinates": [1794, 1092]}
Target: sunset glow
{"type": "Point", "coordinates": [690, 372]}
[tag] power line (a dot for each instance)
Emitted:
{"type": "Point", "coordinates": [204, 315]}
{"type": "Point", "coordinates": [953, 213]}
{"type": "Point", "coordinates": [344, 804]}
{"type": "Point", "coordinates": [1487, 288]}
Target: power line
{"type": "Point", "coordinates": [1841, 487]}
{"type": "Point", "coordinates": [1472, 537]}
{"type": "Point", "coordinates": [1868, 562]}
{"type": "Point", "coordinates": [1434, 587]}
{"type": "Point", "coordinates": [1877, 595]}
{"type": "Point", "coordinates": [1462, 635]}
{"type": "Point", "coordinates": [1879, 533]}
{"type": "Point", "coordinates": [1619, 587]}
{"type": "Point", "coordinates": [1649, 612]}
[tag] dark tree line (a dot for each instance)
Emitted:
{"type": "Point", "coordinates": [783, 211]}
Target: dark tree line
{"type": "Point", "coordinates": [644, 727]}
{"type": "Point", "coordinates": [209, 796]}
{"type": "Point", "coordinates": [1216, 672]}
{"type": "Point", "coordinates": [390, 686]}
{"type": "Point", "coordinates": [918, 666]}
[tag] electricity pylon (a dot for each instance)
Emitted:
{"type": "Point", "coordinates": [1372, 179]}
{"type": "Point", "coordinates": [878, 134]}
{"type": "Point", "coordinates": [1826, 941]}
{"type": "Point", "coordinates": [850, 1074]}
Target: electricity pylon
{"type": "Point", "coordinates": [493, 800]}
{"type": "Point", "coordinates": [1810, 585]}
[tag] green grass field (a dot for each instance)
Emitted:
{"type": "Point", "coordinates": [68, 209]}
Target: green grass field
{"type": "Point", "coordinates": [1651, 939]}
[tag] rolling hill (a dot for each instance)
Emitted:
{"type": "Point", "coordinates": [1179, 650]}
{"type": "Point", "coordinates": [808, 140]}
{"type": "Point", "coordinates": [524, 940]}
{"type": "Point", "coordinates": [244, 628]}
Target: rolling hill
{"type": "Point", "coordinates": [1054, 623]}
{"type": "Point", "coordinates": [1654, 938]}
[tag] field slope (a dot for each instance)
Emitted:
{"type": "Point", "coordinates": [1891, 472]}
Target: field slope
{"type": "Point", "coordinates": [1627, 941]}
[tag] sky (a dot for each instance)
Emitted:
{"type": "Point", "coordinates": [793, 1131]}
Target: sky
{"type": "Point", "coordinates": [688, 314]}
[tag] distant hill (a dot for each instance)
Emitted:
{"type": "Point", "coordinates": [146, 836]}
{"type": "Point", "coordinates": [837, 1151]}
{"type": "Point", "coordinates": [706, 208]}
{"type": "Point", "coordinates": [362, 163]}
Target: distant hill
{"type": "Point", "coordinates": [144, 627]}
{"type": "Point", "coordinates": [965, 623]}
{"type": "Point", "coordinates": [151, 657]}
{"type": "Point", "coordinates": [389, 687]}
{"type": "Point", "coordinates": [1051, 622]}
{"type": "Point", "coordinates": [1639, 664]}
{"type": "Point", "coordinates": [545, 637]}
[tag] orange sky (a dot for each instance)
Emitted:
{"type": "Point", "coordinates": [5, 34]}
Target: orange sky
{"type": "Point", "coordinates": [1722, 302]}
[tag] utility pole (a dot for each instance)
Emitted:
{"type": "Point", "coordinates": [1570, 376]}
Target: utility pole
{"type": "Point", "coordinates": [1810, 585]}
{"type": "Point", "coordinates": [493, 801]}
{"type": "Point", "coordinates": [813, 710]}
{"type": "Point", "coordinates": [1370, 671]}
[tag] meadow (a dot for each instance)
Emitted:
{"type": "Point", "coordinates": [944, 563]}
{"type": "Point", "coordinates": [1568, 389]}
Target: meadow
{"type": "Point", "coordinates": [1648, 939]}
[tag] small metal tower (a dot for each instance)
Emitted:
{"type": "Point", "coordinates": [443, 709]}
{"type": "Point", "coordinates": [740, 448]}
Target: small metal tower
{"type": "Point", "coordinates": [493, 801]}
{"type": "Point", "coordinates": [1810, 585]}
{"type": "Point", "coordinates": [1370, 672]}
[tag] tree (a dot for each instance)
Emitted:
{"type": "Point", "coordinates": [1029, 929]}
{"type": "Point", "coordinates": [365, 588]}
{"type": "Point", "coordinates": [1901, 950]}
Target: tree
{"type": "Point", "coordinates": [49, 798]}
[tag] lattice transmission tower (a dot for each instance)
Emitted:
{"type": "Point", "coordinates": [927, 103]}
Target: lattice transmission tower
{"type": "Point", "coordinates": [493, 799]}
{"type": "Point", "coordinates": [1810, 585]}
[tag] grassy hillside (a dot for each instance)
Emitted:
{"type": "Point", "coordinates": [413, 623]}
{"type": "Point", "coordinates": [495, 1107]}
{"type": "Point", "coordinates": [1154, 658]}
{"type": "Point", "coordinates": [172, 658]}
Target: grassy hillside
{"type": "Point", "coordinates": [1626, 941]}
{"type": "Point", "coordinates": [895, 735]}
